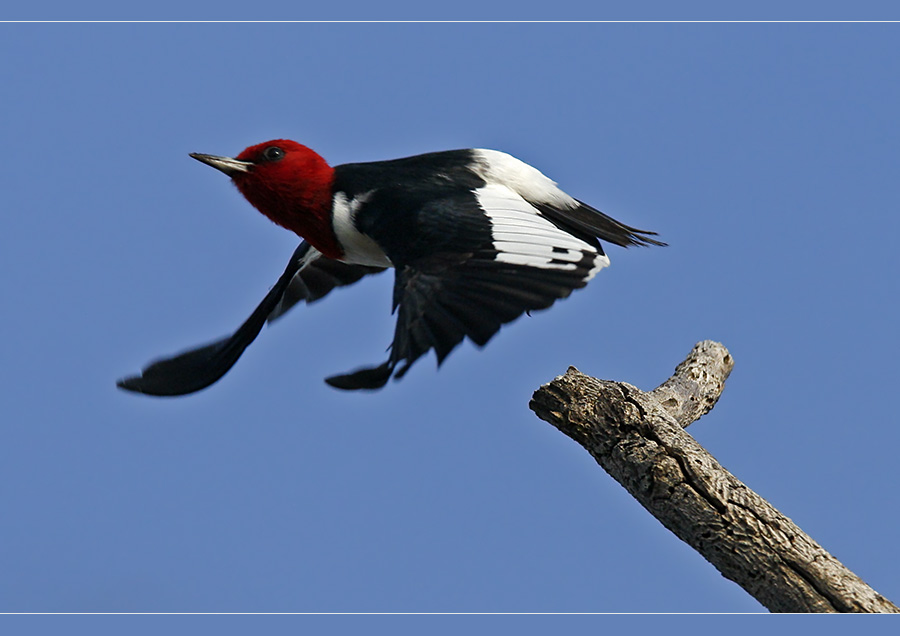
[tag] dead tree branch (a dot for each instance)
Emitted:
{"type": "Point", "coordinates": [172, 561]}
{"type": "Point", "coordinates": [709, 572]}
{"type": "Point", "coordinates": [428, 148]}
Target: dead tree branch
{"type": "Point", "coordinates": [639, 439]}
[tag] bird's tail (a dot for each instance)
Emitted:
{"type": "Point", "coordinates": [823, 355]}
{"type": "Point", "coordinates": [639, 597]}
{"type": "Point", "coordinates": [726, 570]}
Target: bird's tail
{"type": "Point", "coordinates": [585, 221]}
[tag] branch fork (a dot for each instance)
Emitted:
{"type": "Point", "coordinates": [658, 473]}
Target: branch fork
{"type": "Point", "coordinates": [639, 439]}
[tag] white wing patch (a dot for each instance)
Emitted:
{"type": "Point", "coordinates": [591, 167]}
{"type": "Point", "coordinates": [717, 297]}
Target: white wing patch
{"type": "Point", "coordinates": [523, 237]}
{"type": "Point", "coordinates": [497, 167]}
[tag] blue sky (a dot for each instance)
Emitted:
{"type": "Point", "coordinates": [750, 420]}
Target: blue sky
{"type": "Point", "coordinates": [458, 10]}
{"type": "Point", "coordinates": [765, 155]}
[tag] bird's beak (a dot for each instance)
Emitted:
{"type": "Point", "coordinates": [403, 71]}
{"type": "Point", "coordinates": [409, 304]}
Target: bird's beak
{"type": "Point", "coordinates": [229, 166]}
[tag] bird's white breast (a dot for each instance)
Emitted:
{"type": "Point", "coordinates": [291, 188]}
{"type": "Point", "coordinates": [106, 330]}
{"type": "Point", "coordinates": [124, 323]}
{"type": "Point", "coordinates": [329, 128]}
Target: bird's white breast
{"type": "Point", "coordinates": [358, 248]}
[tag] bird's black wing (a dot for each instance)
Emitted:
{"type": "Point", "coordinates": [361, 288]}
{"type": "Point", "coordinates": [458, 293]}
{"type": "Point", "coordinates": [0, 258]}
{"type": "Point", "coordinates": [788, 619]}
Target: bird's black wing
{"type": "Point", "coordinates": [482, 258]}
{"type": "Point", "coordinates": [307, 277]}
{"type": "Point", "coordinates": [449, 297]}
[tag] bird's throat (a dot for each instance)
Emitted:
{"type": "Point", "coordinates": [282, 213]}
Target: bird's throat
{"type": "Point", "coordinates": [306, 213]}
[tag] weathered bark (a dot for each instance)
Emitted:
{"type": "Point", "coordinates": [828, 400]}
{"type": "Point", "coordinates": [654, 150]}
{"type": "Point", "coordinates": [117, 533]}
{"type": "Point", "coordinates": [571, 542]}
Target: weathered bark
{"type": "Point", "coordinates": [639, 439]}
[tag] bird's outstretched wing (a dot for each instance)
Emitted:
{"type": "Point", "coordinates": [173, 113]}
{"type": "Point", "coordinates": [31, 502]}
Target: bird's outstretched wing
{"type": "Point", "coordinates": [307, 277]}
{"type": "Point", "coordinates": [503, 256]}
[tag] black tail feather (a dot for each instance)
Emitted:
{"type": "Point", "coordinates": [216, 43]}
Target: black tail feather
{"type": "Point", "coordinates": [587, 222]}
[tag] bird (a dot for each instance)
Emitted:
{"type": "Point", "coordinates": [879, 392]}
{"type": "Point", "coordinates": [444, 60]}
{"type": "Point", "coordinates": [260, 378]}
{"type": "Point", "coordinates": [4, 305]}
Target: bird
{"type": "Point", "coordinates": [475, 237]}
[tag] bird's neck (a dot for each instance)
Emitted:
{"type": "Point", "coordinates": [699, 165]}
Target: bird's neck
{"type": "Point", "coordinates": [305, 211]}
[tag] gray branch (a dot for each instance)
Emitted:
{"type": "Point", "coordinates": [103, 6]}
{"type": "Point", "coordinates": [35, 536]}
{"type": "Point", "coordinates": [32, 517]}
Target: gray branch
{"type": "Point", "coordinates": [639, 439]}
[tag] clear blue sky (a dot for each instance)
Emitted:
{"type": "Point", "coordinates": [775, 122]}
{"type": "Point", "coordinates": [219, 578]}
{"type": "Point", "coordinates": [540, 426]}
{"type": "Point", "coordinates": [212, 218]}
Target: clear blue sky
{"type": "Point", "coordinates": [766, 155]}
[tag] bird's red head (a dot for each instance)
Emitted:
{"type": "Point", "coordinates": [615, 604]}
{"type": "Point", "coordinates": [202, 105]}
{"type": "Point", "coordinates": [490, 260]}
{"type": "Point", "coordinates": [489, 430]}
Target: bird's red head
{"type": "Point", "coordinates": [290, 184]}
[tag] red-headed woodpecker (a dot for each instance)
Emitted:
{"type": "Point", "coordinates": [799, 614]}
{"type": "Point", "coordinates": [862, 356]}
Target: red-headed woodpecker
{"type": "Point", "coordinates": [476, 238]}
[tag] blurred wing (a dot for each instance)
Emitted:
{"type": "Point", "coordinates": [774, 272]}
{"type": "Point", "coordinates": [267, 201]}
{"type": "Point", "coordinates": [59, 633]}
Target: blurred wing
{"type": "Point", "coordinates": [316, 279]}
{"type": "Point", "coordinates": [307, 277]}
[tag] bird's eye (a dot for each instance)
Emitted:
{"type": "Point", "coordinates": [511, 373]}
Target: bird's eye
{"type": "Point", "coordinates": [273, 153]}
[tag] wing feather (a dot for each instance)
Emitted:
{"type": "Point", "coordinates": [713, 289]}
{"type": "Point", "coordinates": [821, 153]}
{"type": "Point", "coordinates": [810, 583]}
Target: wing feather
{"type": "Point", "coordinates": [307, 277]}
